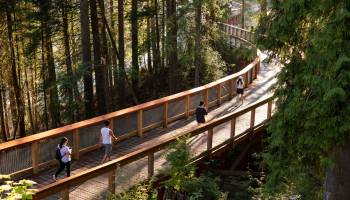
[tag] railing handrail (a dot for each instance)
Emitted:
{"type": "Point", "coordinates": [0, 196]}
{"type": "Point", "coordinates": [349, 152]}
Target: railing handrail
{"type": "Point", "coordinates": [71, 127]}
{"type": "Point", "coordinates": [153, 147]}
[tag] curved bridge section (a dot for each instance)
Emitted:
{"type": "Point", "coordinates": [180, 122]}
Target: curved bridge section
{"type": "Point", "coordinates": [155, 124]}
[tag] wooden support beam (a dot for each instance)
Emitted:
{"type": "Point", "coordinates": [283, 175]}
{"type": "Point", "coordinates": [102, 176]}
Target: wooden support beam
{"type": "Point", "coordinates": [165, 114]}
{"type": "Point", "coordinates": [242, 154]}
{"type": "Point", "coordinates": [65, 194]}
{"type": "Point", "coordinates": [187, 106]}
{"type": "Point", "coordinates": [210, 138]}
{"type": "Point", "coordinates": [233, 128]}
{"type": "Point", "coordinates": [76, 144]}
{"type": "Point", "coordinates": [246, 79]}
{"type": "Point", "coordinates": [150, 164]}
{"type": "Point", "coordinates": [35, 157]}
{"type": "Point", "coordinates": [219, 93]}
{"type": "Point", "coordinates": [111, 180]}
{"type": "Point", "coordinates": [139, 123]}
{"type": "Point", "coordinates": [252, 118]}
{"type": "Point", "coordinates": [111, 124]}
{"type": "Point", "coordinates": [269, 109]}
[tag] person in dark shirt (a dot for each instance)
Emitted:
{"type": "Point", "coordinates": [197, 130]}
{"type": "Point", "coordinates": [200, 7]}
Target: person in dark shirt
{"type": "Point", "coordinates": [200, 113]}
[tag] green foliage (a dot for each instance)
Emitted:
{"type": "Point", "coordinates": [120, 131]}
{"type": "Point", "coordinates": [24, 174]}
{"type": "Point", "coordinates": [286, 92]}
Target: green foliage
{"type": "Point", "coordinates": [12, 190]}
{"type": "Point", "coordinates": [143, 191]}
{"type": "Point", "coordinates": [182, 174]}
{"type": "Point", "coordinates": [311, 39]}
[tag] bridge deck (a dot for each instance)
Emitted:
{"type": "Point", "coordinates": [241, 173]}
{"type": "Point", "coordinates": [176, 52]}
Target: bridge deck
{"type": "Point", "coordinates": [137, 171]}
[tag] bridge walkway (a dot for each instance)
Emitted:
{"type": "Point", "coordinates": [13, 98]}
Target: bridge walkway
{"type": "Point", "coordinates": [136, 171]}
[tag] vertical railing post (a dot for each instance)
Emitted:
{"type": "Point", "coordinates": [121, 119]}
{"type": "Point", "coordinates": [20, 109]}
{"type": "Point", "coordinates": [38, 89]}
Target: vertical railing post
{"type": "Point", "coordinates": [231, 88]}
{"type": "Point", "coordinates": [219, 94]}
{"type": "Point", "coordinates": [210, 139]}
{"type": "Point", "coordinates": [35, 157]}
{"type": "Point", "coordinates": [76, 144]}
{"type": "Point", "coordinates": [269, 109]}
{"type": "Point", "coordinates": [252, 118]}
{"type": "Point", "coordinates": [65, 194]}
{"type": "Point", "coordinates": [187, 106]}
{"type": "Point", "coordinates": [165, 114]}
{"type": "Point", "coordinates": [257, 68]}
{"type": "Point", "coordinates": [139, 123]}
{"type": "Point", "coordinates": [205, 97]}
{"type": "Point", "coordinates": [111, 180]}
{"type": "Point", "coordinates": [233, 128]}
{"type": "Point", "coordinates": [150, 164]}
{"type": "Point", "coordinates": [246, 79]}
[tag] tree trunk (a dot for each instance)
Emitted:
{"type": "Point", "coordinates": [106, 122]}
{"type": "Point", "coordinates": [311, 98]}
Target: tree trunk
{"type": "Point", "coordinates": [86, 58]}
{"type": "Point", "coordinates": [198, 43]}
{"type": "Point", "coordinates": [134, 46]}
{"type": "Point", "coordinates": [72, 87]}
{"type": "Point", "coordinates": [43, 74]}
{"type": "Point", "coordinates": [122, 73]}
{"type": "Point", "coordinates": [99, 67]}
{"type": "Point", "coordinates": [105, 59]}
{"type": "Point", "coordinates": [171, 46]}
{"type": "Point", "coordinates": [242, 13]}
{"type": "Point", "coordinates": [15, 84]}
{"type": "Point", "coordinates": [337, 181]}
{"type": "Point", "coordinates": [2, 117]}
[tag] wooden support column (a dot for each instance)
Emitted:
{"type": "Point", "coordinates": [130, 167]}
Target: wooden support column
{"type": "Point", "coordinates": [252, 118]}
{"type": "Point", "coordinates": [165, 114]}
{"type": "Point", "coordinates": [269, 109]}
{"type": "Point", "coordinates": [76, 144]}
{"type": "Point", "coordinates": [35, 157]}
{"type": "Point", "coordinates": [210, 139]}
{"type": "Point", "coordinates": [111, 124]}
{"type": "Point", "coordinates": [187, 106]}
{"type": "Point", "coordinates": [111, 180]}
{"type": "Point", "coordinates": [206, 98]}
{"type": "Point", "coordinates": [150, 164]}
{"type": "Point", "coordinates": [219, 94]}
{"type": "Point", "coordinates": [257, 67]}
{"type": "Point", "coordinates": [139, 123]}
{"type": "Point", "coordinates": [231, 88]}
{"type": "Point", "coordinates": [246, 79]}
{"type": "Point", "coordinates": [233, 128]}
{"type": "Point", "coordinates": [65, 194]}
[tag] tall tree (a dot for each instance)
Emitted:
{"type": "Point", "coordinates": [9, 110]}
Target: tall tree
{"type": "Point", "coordinates": [14, 77]}
{"type": "Point", "coordinates": [122, 78]}
{"type": "Point", "coordinates": [171, 46]}
{"type": "Point", "coordinates": [198, 42]}
{"type": "Point", "coordinates": [86, 58]}
{"type": "Point", "coordinates": [135, 43]}
{"type": "Point", "coordinates": [72, 87]}
{"type": "Point", "coordinates": [99, 67]}
{"type": "Point", "coordinates": [309, 146]}
{"type": "Point", "coordinates": [2, 117]}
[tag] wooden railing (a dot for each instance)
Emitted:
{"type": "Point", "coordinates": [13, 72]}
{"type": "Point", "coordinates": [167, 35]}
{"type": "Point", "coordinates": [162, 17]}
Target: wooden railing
{"type": "Point", "coordinates": [36, 152]}
{"type": "Point", "coordinates": [62, 186]}
{"type": "Point", "coordinates": [238, 33]}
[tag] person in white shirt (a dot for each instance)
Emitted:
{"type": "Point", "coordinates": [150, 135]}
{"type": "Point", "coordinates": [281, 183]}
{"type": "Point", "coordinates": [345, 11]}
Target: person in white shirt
{"type": "Point", "coordinates": [106, 140]}
{"type": "Point", "coordinates": [65, 152]}
{"type": "Point", "coordinates": [240, 89]}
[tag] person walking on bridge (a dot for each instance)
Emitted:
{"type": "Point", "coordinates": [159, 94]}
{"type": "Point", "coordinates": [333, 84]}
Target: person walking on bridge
{"type": "Point", "coordinates": [106, 140]}
{"type": "Point", "coordinates": [200, 113]}
{"type": "Point", "coordinates": [63, 155]}
{"type": "Point", "coordinates": [240, 89]}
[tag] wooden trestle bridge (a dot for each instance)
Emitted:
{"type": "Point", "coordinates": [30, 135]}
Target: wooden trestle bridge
{"type": "Point", "coordinates": [145, 132]}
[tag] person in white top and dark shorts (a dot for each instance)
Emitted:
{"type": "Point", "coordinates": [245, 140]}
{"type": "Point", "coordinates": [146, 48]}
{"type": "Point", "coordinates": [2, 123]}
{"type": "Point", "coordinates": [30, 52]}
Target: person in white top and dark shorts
{"type": "Point", "coordinates": [106, 140]}
{"type": "Point", "coordinates": [240, 89]}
